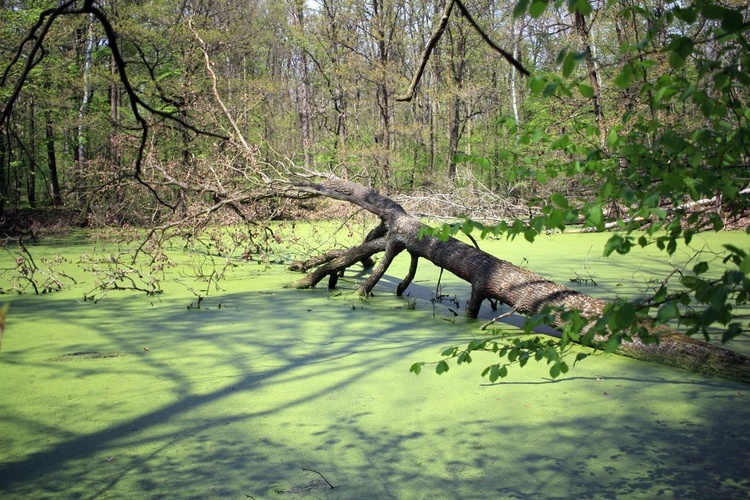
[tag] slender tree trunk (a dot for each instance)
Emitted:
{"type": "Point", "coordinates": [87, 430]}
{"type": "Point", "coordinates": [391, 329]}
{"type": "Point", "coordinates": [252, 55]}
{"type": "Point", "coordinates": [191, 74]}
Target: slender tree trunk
{"type": "Point", "coordinates": [592, 66]}
{"type": "Point", "coordinates": [4, 172]}
{"type": "Point", "coordinates": [303, 92]}
{"type": "Point", "coordinates": [31, 171]}
{"type": "Point", "coordinates": [454, 128]}
{"type": "Point", "coordinates": [457, 37]}
{"type": "Point", "coordinates": [384, 137]}
{"type": "Point", "coordinates": [114, 115]}
{"type": "Point", "coordinates": [49, 135]}
{"type": "Point", "coordinates": [433, 138]}
{"type": "Point", "coordinates": [513, 72]}
{"type": "Point", "coordinates": [80, 156]}
{"type": "Point", "coordinates": [383, 93]}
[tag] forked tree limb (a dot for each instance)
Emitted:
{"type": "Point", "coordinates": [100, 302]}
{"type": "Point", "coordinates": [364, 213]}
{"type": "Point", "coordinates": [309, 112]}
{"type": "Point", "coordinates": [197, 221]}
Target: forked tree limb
{"type": "Point", "coordinates": [434, 38]}
{"type": "Point", "coordinates": [495, 279]}
{"type": "Point", "coordinates": [438, 33]}
{"type": "Point", "coordinates": [508, 57]}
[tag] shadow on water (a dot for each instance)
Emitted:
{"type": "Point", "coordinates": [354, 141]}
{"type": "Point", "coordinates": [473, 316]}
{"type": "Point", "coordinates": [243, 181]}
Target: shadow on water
{"type": "Point", "coordinates": [255, 398]}
{"type": "Point", "coordinates": [275, 354]}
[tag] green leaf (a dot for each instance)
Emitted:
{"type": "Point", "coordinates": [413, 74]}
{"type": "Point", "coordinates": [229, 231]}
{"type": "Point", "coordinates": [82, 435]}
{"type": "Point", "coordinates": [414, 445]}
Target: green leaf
{"type": "Point", "coordinates": [595, 216]}
{"type": "Point", "coordinates": [442, 367]}
{"type": "Point", "coordinates": [745, 265]}
{"type": "Point", "coordinates": [689, 15]}
{"type": "Point", "coordinates": [683, 46]}
{"type": "Point", "coordinates": [625, 78]}
{"type": "Point", "coordinates": [513, 354]}
{"type": "Point", "coordinates": [676, 60]}
{"type": "Point", "coordinates": [623, 318]}
{"type": "Point", "coordinates": [482, 162]}
{"type": "Point", "coordinates": [464, 357]}
{"type": "Point", "coordinates": [520, 8]}
{"type": "Point", "coordinates": [586, 90]}
{"type": "Point", "coordinates": [416, 368]}
{"type": "Point", "coordinates": [732, 20]}
{"type": "Point", "coordinates": [613, 343]}
{"type": "Point", "coordinates": [537, 8]}
{"type": "Point", "coordinates": [612, 139]}
{"type": "Point", "coordinates": [537, 84]}
{"type": "Point", "coordinates": [713, 11]}
{"type": "Point", "coordinates": [550, 89]}
{"type": "Point", "coordinates": [680, 49]}
{"type": "Point", "coordinates": [616, 243]}
{"type": "Point", "coordinates": [569, 64]}
{"type": "Point", "coordinates": [734, 330]}
{"type": "Point", "coordinates": [583, 6]}
{"type": "Point", "coordinates": [667, 312]}
{"type": "Point", "coordinates": [700, 267]}
{"type": "Point", "coordinates": [560, 200]}
{"type": "Point", "coordinates": [671, 246]}
{"type": "Point", "coordinates": [719, 298]}
{"type": "Point", "coordinates": [450, 351]}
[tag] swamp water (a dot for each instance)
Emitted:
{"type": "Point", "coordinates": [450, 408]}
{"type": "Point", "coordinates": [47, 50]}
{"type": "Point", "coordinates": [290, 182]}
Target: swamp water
{"type": "Point", "coordinates": [266, 392]}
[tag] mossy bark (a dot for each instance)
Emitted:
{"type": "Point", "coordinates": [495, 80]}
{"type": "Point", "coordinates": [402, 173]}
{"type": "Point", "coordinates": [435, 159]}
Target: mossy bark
{"type": "Point", "coordinates": [496, 279]}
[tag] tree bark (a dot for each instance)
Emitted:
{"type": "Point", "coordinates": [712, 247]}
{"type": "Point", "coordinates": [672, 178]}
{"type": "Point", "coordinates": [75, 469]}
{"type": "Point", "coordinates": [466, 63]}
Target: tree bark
{"type": "Point", "coordinates": [496, 279]}
{"type": "Point", "coordinates": [303, 93]}
{"type": "Point", "coordinates": [49, 136]}
{"type": "Point", "coordinates": [584, 32]}
{"type": "Point", "coordinates": [31, 171]}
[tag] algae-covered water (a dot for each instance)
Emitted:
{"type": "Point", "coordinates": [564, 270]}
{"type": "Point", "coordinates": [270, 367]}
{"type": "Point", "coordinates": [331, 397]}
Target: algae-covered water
{"type": "Point", "coordinates": [266, 392]}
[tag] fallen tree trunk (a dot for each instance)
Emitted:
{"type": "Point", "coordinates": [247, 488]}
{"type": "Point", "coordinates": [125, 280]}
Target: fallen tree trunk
{"type": "Point", "coordinates": [496, 279]}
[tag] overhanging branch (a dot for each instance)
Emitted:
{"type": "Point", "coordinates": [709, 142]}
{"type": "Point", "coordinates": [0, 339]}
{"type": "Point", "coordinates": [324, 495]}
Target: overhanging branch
{"type": "Point", "coordinates": [435, 37]}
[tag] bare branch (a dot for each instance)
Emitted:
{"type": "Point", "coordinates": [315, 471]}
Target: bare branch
{"type": "Point", "coordinates": [508, 57]}
{"type": "Point", "coordinates": [426, 53]}
{"type": "Point", "coordinates": [44, 22]}
{"type": "Point", "coordinates": [436, 37]}
{"type": "Point", "coordinates": [210, 70]}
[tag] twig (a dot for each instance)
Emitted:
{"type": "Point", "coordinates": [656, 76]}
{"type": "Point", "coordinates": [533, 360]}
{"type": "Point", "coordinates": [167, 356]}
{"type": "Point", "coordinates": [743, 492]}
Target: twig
{"type": "Point", "coordinates": [498, 318]}
{"type": "Point", "coordinates": [321, 475]}
{"type": "Point", "coordinates": [437, 287]}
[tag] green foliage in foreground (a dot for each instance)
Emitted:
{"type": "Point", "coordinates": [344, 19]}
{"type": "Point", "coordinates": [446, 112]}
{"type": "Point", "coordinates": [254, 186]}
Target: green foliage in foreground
{"type": "Point", "coordinates": [676, 164]}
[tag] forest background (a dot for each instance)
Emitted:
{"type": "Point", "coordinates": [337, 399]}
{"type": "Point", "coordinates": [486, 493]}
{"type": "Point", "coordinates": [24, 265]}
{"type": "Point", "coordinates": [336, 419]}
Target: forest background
{"type": "Point", "coordinates": [319, 83]}
{"type": "Point", "coordinates": [162, 113]}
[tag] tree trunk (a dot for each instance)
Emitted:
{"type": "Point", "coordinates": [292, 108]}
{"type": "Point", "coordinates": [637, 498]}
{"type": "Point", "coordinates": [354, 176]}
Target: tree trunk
{"type": "Point", "coordinates": [492, 278]}
{"type": "Point", "coordinates": [303, 94]}
{"type": "Point", "coordinates": [31, 171]}
{"type": "Point", "coordinates": [584, 32]}
{"type": "Point", "coordinates": [80, 152]}
{"type": "Point", "coordinates": [49, 135]}
{"type": "Point", "coordinates": [513, 72]}
{"type": "Point", "coordinates": [458, 69]}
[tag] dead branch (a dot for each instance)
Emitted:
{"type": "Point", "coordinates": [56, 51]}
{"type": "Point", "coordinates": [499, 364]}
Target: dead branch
{"type": "Point", "coordinates": [435, 38]}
